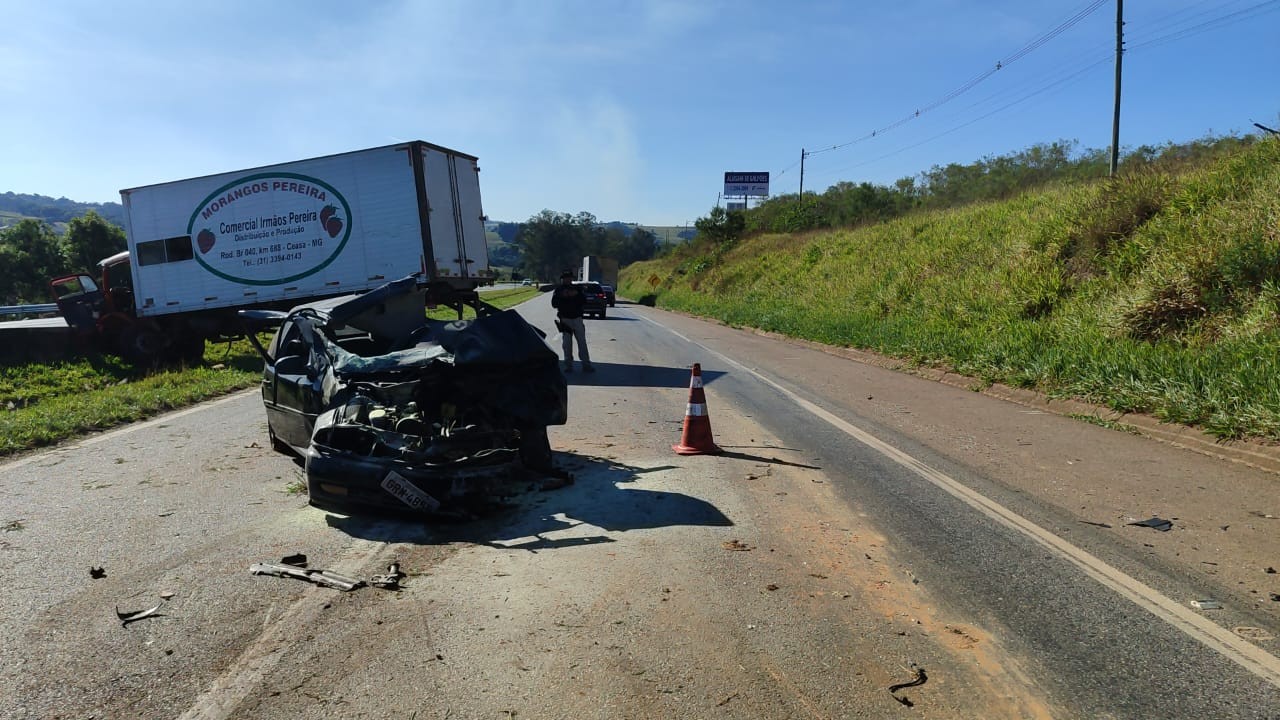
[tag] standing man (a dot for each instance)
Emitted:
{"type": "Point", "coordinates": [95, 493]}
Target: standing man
{"type": "Point", "coordinates": [568, 301]}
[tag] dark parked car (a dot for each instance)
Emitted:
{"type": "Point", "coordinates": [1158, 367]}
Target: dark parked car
{"type": "Point", "coordinates": [390, 411]}
{"type": "Point", "coordinates": [595, 299]}
{"type": "Point", "coordinates": [609, 297]}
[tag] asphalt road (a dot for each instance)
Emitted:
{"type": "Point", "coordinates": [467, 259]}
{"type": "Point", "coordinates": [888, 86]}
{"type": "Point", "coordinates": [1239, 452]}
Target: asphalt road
{"type": "Point", "coordinates": [859, 520]}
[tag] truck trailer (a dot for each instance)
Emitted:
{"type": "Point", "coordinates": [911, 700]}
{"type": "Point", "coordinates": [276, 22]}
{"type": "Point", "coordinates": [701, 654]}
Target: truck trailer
{"type": "Point", "coordinates": [599, 269]}
{"type": "Point", "coordinates": [272, 237]}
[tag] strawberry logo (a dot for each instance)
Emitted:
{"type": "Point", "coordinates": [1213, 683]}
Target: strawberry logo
{"type": "Point", "coordinates": [333, 226]}
{"type": "Point", "coordinates": [330, 222]}
{"type": "Point", "coordinates": [205, 240]}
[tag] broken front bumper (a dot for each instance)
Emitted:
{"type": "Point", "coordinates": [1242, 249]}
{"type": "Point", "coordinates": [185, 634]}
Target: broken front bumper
{"type": "Point", "coordinates": [356, 467]}
{"type": "Point", "coordinates": [344, 482]}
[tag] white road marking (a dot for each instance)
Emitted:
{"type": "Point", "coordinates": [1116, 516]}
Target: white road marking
{"type": "Point", "coordinates": [1210, 634]}
{"type": "Point", "coordinates": [221, 699]}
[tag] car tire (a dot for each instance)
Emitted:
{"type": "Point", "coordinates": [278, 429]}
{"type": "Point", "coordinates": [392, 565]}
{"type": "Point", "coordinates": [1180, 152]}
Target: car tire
{"type": "Point", "coordinates": [601, 313]}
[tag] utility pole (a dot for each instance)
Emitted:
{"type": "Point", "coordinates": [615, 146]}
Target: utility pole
{"type": "Point", "coordinates": [1115, 119]}
{"type": "Point", "coordinates": [802, 176]}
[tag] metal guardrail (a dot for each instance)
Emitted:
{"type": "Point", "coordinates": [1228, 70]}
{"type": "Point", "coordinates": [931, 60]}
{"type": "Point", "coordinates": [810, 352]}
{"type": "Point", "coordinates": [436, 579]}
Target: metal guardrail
{"type": "Point", "coordinates": [21, 310]}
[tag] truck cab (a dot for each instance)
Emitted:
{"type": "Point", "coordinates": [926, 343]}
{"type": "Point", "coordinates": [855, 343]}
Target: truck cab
{"type": "Point", "coordinates": [84, 301]}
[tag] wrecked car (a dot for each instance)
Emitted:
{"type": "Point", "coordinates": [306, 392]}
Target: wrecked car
{"type": "Point", "coordinates": [391, 411]}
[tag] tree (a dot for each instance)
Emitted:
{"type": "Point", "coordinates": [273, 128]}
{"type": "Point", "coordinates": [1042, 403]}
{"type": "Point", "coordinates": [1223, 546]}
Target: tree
{"type": "Point", "coordinates": [552, 243]}
{"type": "Point", "coordinates": [91, 238]}
{"type": "Point", "coordinates": [30, 255]}
{"type": "Point", "coordinates": [721, 226]}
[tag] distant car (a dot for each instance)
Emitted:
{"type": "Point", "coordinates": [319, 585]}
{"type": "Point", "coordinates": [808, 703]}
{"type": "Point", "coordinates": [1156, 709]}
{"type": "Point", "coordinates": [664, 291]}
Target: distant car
{"type": "Point", "coordinates": [393, 412]}
{"type": "Point", "coordinates": [526, 282]}
{"type": "Point", "coordinates": [595, 299]}
{"type": "Point", "coordinates": [608, 295]}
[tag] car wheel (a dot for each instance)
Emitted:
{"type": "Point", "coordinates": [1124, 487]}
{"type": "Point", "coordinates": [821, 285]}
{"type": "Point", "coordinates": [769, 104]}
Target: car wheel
{"type": "Point", "coordinates": [601, 313]}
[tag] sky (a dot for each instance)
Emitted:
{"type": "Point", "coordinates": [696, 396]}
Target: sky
{"type": "Point", "coordinates": [629, 110]}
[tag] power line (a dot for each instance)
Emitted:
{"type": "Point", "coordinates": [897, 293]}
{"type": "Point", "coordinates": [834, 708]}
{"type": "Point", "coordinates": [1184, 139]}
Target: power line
{"type": "Point", "coordinates": [974, 81]}
{"type": "Point", "coordinates": [1073, 76]}
{"type": "Point", "coordinates": [1212, 24]}
{"type": "Point", "coordinates": [1149, 39]}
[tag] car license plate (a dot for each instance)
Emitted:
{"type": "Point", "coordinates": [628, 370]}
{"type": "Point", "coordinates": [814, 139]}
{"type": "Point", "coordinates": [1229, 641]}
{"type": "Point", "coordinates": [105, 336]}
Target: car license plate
{"type": "Point", "coordinates": [408, 493]}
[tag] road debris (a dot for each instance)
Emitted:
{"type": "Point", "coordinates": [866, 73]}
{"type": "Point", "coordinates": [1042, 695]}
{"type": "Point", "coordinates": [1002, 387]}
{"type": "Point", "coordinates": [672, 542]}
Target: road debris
{"type": "Point", "coordinates": [390, 580]}
{"type": "Point", "coordinates": [1266, 516]}
{"type": "Point", "coordinates": [771, 587]}
{"type": "Point", "coordinates": [1253, 633]}
{"type": "Point", "coordinates": [919, 679]}
{"type": "Point", "coordinates": [725, 701]}
{"type": "Point", "coordinates": [1155, 523]}
{"type": "Point", "coordinates": [97, 573]}
{"type": "Point", "coordinates": [1270, 571]}
{"type": "Point", "coordinates": [1095, 524]}
{"type": "Point", "coordinates": [319, 577]}
{"type": "Point", "coordinates": [298, 559]}
{"type": "Point", "coordinates": [1206, 604]}
{"type": "Point", "coordinates": [736, 544]}
{"type": "Point", "coordinates": [128, 617]}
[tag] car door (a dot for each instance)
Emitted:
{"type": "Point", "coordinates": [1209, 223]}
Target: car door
{"type": "Point", "coordinates": [290, 392]}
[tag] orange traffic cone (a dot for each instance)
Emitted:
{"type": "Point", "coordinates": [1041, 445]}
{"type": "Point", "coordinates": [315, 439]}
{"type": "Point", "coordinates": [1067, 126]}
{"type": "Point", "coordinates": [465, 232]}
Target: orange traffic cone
{"type": "Point", "coordinates": [696, 438]}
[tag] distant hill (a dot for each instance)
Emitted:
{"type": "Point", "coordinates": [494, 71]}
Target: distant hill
{"type": "Point", "coordinates": [14, 207]}
{"type": "Point", "coordinates": [55, 211]}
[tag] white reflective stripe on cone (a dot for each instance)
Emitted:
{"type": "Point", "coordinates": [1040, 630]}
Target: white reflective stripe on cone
{"type": "Point", "coordinates": [695, 382]}
{"type": "Point", "coordinates": [698, 410]}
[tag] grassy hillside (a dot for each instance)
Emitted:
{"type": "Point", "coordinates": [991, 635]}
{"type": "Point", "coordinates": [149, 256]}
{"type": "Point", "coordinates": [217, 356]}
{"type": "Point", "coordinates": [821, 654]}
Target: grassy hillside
{"type": "Point", "coordinates": [1154, 292]}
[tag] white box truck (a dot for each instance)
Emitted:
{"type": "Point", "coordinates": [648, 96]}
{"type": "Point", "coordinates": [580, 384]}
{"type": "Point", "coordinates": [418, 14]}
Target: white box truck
{"type": "Point", "coordinates": [272, 237]}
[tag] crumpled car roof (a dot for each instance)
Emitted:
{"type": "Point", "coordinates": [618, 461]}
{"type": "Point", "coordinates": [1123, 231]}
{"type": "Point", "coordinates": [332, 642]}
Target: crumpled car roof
{"type": "Point", "coordinates": [498, 359]}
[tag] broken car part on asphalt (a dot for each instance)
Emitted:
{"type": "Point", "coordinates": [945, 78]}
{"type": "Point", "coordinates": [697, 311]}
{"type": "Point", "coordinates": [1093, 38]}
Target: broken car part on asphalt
{"type": "Point", "coordinates": [919, 679]}
{"type": "Point", "coordinates": [319, 577]}
{"type": "Point", "coordinates": [128, 617]}
{"type": "Point", "coordinates": [1155, 523]}
{"type": "Point", "coordinates": [390, 580]}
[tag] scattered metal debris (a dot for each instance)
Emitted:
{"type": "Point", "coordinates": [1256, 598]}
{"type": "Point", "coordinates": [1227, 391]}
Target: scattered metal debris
{"type": "Point", "coordinates": [735, 544]}
{"type": "Point", "coordinates": [771, 586]}
{"type": "Point", "coordinates": [919, 679]}
{"type": "Point", "coordinates": [1275, 597]}
{"type": "Point", "coordinates": [299, 559]}
{"type": "Point", "coordinates": [319, 577]}
{"type": "Point", "coordinates": [1206, 604]}
{"type": "Point", "coordinates": [389, 581]}
{"type": "Point", "coordinates": [1155, 523]}
{"type": "Point", "coordinates": [1095, 524]}
{"type": "Point", "coordinates": [128, 617]}
{"type": "Point", "coordinates": [1265, 516]}
{"type": "Point", "coordinates": [1270, 571]}
{"type": "Point", "coordinates": [97, 573]}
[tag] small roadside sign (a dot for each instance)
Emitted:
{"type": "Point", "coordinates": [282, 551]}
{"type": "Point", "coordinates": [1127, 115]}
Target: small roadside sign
{"type": "Point", "coordinates": [654, 280]}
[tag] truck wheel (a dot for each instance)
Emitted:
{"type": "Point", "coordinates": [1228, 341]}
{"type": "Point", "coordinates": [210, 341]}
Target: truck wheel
{"type": "Point", "coordinates": [191, 349]}
{"type": "Point", "coordinates": [141, 345]}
